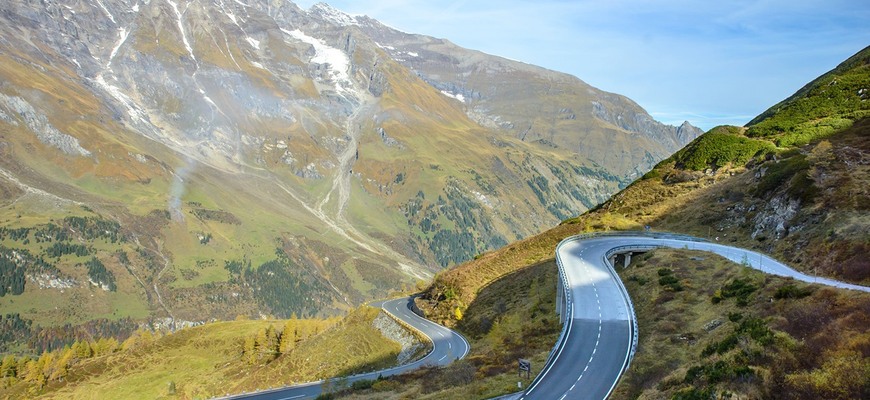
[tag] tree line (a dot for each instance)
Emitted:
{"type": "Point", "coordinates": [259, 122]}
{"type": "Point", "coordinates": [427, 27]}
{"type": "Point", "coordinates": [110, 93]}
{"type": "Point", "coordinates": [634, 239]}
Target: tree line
{"type": "Point", "coordinates": [269, 343]}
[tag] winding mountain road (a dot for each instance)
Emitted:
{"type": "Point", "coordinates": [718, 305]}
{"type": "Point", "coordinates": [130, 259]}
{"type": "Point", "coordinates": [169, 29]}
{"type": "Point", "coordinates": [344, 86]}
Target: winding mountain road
{"type": "Point", "coordinates": [599, 335]}
{"type": "Point", "coordinates": [447, 346]}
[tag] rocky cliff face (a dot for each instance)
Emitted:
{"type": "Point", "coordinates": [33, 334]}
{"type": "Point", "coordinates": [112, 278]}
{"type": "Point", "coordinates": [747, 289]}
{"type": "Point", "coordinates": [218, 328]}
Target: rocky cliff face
{"type": "Point", "coordinates": [233, 140]}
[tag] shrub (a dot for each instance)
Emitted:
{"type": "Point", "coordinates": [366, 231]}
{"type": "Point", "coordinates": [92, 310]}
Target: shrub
{"type": "Point", "coordinates": [790, 291]}
{"type": "Point", "coordinates": [721, 347]}
{"type": "Point", "coordinates": [717, 148]}
{"type": "Point", "coordinates": [362, 384]}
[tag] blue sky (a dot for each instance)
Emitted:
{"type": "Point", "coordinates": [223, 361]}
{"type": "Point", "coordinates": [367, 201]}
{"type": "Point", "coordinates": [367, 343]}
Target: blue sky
{"type": "Point", "coordinates": [708, 62]}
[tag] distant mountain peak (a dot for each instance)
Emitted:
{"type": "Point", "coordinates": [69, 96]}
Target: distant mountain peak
{"type": "Point", "coordinates": [331, 14]}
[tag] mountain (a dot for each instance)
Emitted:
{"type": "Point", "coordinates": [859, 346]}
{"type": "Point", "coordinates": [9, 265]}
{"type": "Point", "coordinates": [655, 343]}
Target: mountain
{"type": "Point", "coordinates": [793, 184]}
{"type": "Point", "coordinates": [179, 161]}
{"type": "Point", "coordinates": [708, 328]}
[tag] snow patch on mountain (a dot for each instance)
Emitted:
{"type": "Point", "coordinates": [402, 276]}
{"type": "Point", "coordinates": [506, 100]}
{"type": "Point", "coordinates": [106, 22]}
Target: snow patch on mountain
{"type": "Point", "coordinates": [122, 33]}
{"type": "Point", "coordinates": [136, 114]}
{"type": "Point", "coordinates": [181, 28]}
{"type": "Point", "coordinates": [336, 62]}
{"type": "Point", "coordinates": [106, 10]}
{"type": "Point", "coordinates": [457, 96]}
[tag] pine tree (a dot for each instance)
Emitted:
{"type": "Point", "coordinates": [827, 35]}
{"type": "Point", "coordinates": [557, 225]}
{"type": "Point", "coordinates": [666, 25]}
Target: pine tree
{"type": "Point", "coordinates": [23, 367]}
{"type": "Point", "coordinates": [33, 372]}
{"type": "Point", "coordinates": [82, 350]}
{"type": "Point", "coordinates": [62, 365]}
{"type": "Point", "coordinates": [266, 343]}
{"type": "Point", "coordinates": [260, 343]}
{"type": "Point", "coordinates": [9, 366]}
{"type": "Point", "coordinates": [148, 337]}
{"type": "Point", "coordinates": [131, 343]}
{"type": "Point", "coordinates": [271, 345]}
{"type": "Point", "coordinates": [249, 350]}
{"type": "Point", "coordinates": [289, 337]}
{"type": "Point", "coordinates": [46, 363]}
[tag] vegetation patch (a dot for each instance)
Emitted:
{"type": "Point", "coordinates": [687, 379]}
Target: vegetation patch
{"type": "Point", "coordinates": [691, 348]}
{"type": "Point", "coordinates": [282, 287]}
{"type": "Point", "coordinates": [221, 216]}
{"type": "Point", "coordinates": [719, 147]}
{"type": "Point", "coordinates": [204, 361]}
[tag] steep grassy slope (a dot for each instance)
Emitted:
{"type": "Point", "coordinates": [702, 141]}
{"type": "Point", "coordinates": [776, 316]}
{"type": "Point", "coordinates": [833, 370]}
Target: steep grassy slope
{"type": "Point", "coordinates": [724, 329]}
{"type": "Point", "coordinates": [208, 360]}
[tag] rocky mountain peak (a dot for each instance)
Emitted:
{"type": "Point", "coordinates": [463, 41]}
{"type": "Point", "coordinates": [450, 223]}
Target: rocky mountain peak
{"type": "Point", "coordinates": [326, 12]}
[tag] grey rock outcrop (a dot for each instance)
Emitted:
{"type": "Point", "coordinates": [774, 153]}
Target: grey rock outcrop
{"type": "Point", "coordinates": [775, 217]}
{"type": "Point", "coordinates": [39, 125]}
{"type": "Point", "coordinates": [397, 333]}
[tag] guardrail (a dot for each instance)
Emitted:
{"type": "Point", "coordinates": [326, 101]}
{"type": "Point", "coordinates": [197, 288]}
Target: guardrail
{"type": "Point", "coordinates": [628, 302]}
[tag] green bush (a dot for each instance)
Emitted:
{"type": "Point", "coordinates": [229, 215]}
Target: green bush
{"type": "Point", "coordinates": [790, 291]}
{"type": "Point", "coordinates": [695, 394]}
{"type": "Point", "coordinates": [362, 384]}
{"type": "Point", "coordinates": [668, 280]}
{"type": "Point", "coordinates": [734, 317]}
{"type": "Point", "coordinates": [720, 347]}
{"type": "Point", "coordinates": [639, 279]}
{"type": "Point", "coordinates": [716, 149]}
{"type": "Point", "coordinates": [793, 171]}
{"type": "Point", "coordinates": [757, 329]}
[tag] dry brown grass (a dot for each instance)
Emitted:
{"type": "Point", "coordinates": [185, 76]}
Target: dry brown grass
{"type": "Point", "coordinates": [811, 326]}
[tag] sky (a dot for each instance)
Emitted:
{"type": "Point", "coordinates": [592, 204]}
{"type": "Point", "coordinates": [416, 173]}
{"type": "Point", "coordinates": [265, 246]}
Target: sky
{"type": "Point", "coordinates": [708, 62]}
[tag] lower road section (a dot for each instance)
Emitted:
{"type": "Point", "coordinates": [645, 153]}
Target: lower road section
{"type": "Point", "coordinates": [447, 346]}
